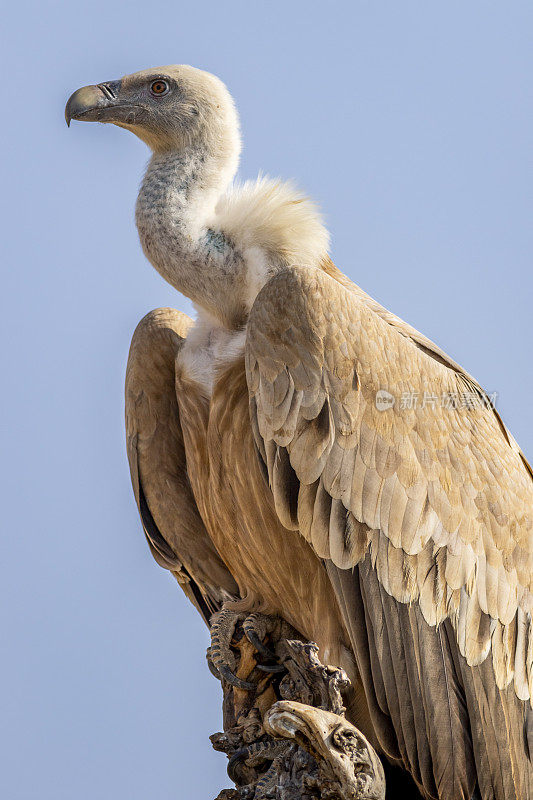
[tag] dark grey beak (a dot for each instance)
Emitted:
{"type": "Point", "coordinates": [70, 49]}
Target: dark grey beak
{"type": "Point", "coordinates": [95, 103]}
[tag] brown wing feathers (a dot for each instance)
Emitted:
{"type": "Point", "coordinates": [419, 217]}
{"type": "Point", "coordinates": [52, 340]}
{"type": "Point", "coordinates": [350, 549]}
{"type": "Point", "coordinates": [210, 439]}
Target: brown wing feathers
{"type": "Point", "coordinates": [172, 525]}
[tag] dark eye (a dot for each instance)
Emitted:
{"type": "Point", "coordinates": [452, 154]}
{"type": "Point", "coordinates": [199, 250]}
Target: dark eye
{"type": "Point", "coordinates": [159, 88]}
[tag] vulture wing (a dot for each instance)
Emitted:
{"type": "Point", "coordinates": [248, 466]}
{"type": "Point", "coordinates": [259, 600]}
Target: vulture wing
{"type": "Point", "coordinates": [172, 525]}
{"type": "Point", "coordinates": [390, 461]}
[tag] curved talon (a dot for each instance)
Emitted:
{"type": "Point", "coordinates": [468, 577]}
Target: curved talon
{"type": "Point", "coordinates": [254, 639]}
{"type": "Point", "coordinates": [229, 677]}
{"type": "Point", "coordinates": [271, 668]}
{"type": "Point", "coordinates": [239, 755]}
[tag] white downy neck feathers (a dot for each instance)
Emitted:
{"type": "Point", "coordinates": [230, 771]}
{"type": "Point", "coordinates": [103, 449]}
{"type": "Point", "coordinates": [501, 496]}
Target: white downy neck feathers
{"type": "Point", "coordinates": [271, 226]}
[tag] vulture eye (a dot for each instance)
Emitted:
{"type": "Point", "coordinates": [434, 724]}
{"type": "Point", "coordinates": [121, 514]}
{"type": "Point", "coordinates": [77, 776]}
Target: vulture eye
{"type": "Point", "coordinates": [159, 88]}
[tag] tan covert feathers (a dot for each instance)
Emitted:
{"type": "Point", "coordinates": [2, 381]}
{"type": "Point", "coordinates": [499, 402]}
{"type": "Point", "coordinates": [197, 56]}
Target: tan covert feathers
{"type": "Point", "coordinates": [439, 496]}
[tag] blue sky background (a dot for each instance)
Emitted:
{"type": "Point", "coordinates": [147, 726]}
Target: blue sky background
{"type": "Point", "coordinates": [411, 124]}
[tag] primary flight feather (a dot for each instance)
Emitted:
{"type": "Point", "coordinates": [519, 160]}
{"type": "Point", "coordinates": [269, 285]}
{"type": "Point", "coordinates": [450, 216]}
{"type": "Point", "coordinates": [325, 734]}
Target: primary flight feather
{"type": "Point", "coordinates": [301, 451]}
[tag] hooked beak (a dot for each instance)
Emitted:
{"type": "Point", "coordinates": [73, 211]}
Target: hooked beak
{"type": "Point", "coordinates": [100, 103]}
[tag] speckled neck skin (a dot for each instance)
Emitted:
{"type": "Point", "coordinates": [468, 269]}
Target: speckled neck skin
{"type": "Point", "coordinates": [176, 201]}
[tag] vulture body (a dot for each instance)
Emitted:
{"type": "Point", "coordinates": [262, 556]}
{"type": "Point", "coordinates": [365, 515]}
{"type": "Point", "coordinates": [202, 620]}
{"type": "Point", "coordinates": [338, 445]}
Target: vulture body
{"type": "Point", "coordinates": [277, 467]}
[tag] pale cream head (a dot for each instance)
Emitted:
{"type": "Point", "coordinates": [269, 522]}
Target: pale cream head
{"type": "Point", "coordinates": [167, 107]}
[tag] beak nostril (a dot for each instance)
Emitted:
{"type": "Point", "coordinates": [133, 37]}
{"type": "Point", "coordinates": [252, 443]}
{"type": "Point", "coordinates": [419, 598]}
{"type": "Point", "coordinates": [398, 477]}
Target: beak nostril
{"type": "Point", "coordinates": [108, 91]}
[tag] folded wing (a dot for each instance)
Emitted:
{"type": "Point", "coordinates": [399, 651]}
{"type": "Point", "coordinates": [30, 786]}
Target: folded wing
{"type": "Point", "coordinates": [173, 527]}
{"type": "Point", "coordinates": [389, 459]}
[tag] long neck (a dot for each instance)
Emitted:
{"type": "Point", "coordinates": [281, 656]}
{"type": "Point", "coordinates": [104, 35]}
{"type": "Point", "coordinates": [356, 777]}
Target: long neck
{"type": "Point", "coordinates": [174, 208]}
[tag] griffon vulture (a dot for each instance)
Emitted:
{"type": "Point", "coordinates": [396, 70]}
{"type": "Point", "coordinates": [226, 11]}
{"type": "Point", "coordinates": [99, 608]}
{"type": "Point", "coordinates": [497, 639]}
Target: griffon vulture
{"type": "Point", "coordinates": [278, 469]}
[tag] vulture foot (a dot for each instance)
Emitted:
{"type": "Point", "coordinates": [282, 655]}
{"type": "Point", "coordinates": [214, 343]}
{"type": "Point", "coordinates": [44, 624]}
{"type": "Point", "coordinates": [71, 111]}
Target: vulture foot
{"type": "Point", "coordinates": [289, 739]}
{"type": "Point", "coordinates": [255, 755]}
{"type": "Point", "coordinates": [220, 657]}
{"type": "Point", "coordinates": [257, 628]}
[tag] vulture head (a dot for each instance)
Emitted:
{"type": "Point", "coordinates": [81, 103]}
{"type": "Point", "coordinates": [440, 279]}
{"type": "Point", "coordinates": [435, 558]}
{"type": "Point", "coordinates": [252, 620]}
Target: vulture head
{"type": "Point", "coordinates": [167, 107]}
{"type": "Point", "coordinates": [213, 240]}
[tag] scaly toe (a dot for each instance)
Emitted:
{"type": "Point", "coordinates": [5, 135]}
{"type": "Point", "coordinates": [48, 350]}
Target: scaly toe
{"type": "Point", "coordinates": [212, 669]}
{"type": "Point", "coordinates": [220, 655]}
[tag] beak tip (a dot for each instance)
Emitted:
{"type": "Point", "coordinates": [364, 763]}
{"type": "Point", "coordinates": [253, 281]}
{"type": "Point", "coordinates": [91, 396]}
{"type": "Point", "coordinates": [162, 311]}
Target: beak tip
{"type": "Point", "coordinates": [86, 103]}
{"type": "Point", "coordinates": [68, 115]}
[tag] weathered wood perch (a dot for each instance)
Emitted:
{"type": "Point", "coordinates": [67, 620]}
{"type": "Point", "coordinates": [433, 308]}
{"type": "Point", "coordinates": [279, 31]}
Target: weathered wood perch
{"type": "Point", "coordinates": [288, 739]}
